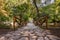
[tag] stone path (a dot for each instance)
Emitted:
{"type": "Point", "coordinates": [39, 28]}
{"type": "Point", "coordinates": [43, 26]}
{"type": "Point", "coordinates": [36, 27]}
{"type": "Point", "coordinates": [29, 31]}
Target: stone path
{"type": "Point", "coordinates": [29, 32]}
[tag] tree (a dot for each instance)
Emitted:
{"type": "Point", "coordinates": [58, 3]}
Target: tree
{"type": "Point", "coordinates": [34, 1]}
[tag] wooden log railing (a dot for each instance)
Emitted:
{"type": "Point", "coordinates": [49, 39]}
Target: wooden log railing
{"type": "Point", "coordinates": [41, 20]}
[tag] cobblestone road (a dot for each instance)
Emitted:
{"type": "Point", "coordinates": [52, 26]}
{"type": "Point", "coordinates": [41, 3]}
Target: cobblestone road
{"type": "Point", "coordinates": [29, 32]}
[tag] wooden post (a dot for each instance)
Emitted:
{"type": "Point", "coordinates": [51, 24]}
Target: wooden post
{"type": "Point", "coordinates": [14, 19]}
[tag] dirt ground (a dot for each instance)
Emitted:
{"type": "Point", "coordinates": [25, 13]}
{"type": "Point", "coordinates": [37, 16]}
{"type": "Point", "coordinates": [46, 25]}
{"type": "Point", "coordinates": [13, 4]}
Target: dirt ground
{"type": "Point", "coordinates": [4, 31]}
{"type": "Point", "coordinates": [55, 31]}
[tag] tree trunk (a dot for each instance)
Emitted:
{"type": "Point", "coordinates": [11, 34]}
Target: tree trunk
{"type": "Point", "coordinates": [34, 1]}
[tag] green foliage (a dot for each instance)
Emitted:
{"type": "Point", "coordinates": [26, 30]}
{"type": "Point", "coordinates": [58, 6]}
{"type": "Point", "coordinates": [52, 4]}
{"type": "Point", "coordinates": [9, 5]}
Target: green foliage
{"type": "Point", "coordinates": [20, 9]}
{"type": "Point", "coordinates": [25, 17]}
{"type": "Point", "coordinates": [3, 18]}
{"type": "Point", "coordinates": [26, 10]}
